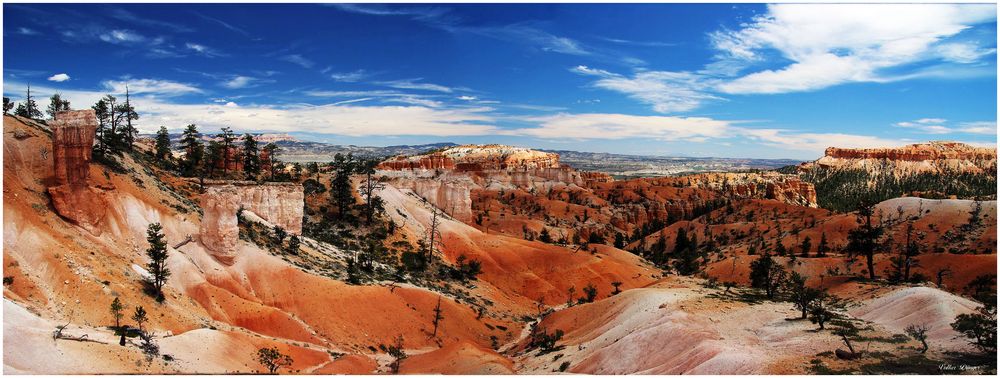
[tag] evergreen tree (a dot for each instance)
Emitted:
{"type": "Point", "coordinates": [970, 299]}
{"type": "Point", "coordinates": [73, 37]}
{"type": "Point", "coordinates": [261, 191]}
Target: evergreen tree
{"type": "Point", "coordinates": [56, 104]}
{"type": "Point", "coordinates": [806, 244]}
{"type": "Point", "coordinates": [370, 185]}
{"type": "Point", "coordinates": [686, 261]}
{"type": "Point", "coordinates": [162, 144]}
{"type": "Point", "coordinates": [116, 312]}
{"type": "Point", "coordinates": [127, 114]}
{"type": "Point", "coordinates": [227, 143]}
{"type": "Point", "coordinates": [822, 248]}
{"type": "Point", "coordinates": [865, 238]}
{"type": "Point", "coordinates": [157, 253]}
{"type": "Point", "coordinates": [802, 296]}
{"type": "Point", "coordinates": [7, 105]}
{"type": "Point", "coordinates": [251, 158]}
{"type": "Point", "coordinates": [28, 108]}
{"type": "Point", "coordinates": [192, 146]}
{"type": "Point", "coordinates": [111, 134]}
{"type": "Point", "coordinates": [103, 114]}
{"type": "Point", "coordinates": [341, 191]}
{"type": "Point", "coordinates": [766, 274]}
{"type": "Point", "coordinates": [620, 240]}
{"type": "Point", "coordinates": [213, 157]}
{"type": "Point", "coordinates": [272, 158]}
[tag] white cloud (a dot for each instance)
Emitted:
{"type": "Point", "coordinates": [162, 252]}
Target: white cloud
{"type": "Point", "coordinates": [121, 36]}
{"type": "Point", "coordinates": [415, 84]}
{"type": "Point", "coordinates": [298, 59]}
{"type": "Point", "coordinates": [324, 119]}
{"type": "Point", "coordinates": [979, 127]}
{"type": "Point", "coordinates": [61, 77]}
{"type": "Point", "coordinates": [238, 82]}
{"type": "Point", "coordinates": [26, 31]}
{"type": "Point", "coordinates": [963, 52]}
{"type": "Point", "coordinates": [467, 98]}
{"type": "Point", "coordinates": [831, 44]}
{"type": "Point", "coordinates": [620, 126]}
{"type": "Point", "coordinates": [941, 126]}
{"type": "Point", "coordinates": [666, 91]}
{"type": "Point", "coordinates": [349, 77]}
{"type": "Point", "coordinates": [815, 142]}
{"type": "Point", "coordinates": [203, 50]}
{"type": "Point", "coordinates": [149, 86]}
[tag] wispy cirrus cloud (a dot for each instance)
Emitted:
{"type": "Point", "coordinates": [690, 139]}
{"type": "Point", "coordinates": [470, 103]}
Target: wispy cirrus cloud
{"type": "Point", "coordinates": [943, 126]}
{"type": "Point", "coordinates": [150, 87]}
{"type": "Point", "coordinates": [203, 50]}
{"type": "Point", "coordinates": [350, 77]}
{"type": "Point", "coordinates": [298, 59]}
{"type": "Point", "coordinates": [416, 84]}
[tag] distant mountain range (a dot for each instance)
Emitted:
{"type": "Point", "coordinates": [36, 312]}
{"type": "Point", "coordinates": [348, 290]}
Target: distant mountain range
{"type": "Point", "coordinates": [621, 166]}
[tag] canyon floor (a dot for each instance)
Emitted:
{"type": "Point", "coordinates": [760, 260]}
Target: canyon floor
{"type": "Point", "coordinates": [643, 319]}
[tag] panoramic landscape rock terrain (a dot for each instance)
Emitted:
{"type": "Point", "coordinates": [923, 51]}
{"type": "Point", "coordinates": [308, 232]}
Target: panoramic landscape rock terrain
{"type": "Point", "coordinates": [476, 259]}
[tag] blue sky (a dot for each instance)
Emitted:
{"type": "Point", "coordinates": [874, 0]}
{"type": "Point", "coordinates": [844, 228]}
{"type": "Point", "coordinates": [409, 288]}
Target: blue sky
{"type": "Point", "coordinates": [746, 80]}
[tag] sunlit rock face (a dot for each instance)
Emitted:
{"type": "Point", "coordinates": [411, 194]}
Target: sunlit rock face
{"type": "Point", "coordinates": [280, 204]}
{"type": "Point", "coordinates": [932, 157]}
{"type": "Point", "coordinates": [72, 195]}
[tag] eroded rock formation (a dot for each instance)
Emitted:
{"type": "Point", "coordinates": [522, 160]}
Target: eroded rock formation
{"type": "Point", "coordinates": [280, 204]}
{"type": "Point", "coordinates": [72, 144]}
{"type": "Point", "coordinates": [915, 158]}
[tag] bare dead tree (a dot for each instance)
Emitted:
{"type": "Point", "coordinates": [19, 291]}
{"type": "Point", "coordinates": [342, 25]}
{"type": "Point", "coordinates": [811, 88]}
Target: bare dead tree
{"type": "Point", "coordinates": [438, 317]}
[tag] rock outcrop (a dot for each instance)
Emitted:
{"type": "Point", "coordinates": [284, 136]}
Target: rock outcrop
{"type": "Point", "coordinates": [280, 204]}
{"type": "Point", "coordinates": [72, 195]}
{"type": "Point", "coordinates": [762, 185]}
{"type": "Point", "coordinates": [471, 158]}
{"type": "Point", "coordinates": [72, 145]}
{"type": "Point", "coordinates": [931, 157]}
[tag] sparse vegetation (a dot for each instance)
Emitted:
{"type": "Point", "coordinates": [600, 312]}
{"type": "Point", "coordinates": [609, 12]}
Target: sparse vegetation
{"type": "Point", "coordinates": [272, 359]}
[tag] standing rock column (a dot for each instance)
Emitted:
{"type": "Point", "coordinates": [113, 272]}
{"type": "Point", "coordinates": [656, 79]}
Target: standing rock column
{"type": "Point", "coordinates": [73, 134]}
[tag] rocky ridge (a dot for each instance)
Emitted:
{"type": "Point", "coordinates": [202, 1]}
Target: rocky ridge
{"type": "Point", "coordinates": [929, 157]}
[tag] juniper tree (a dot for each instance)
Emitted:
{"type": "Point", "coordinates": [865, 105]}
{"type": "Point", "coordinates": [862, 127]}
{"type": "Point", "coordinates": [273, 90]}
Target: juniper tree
{"type": "Point", "coordinates": [157, 253]}
{"type": "Point", "coordinates": [801, 296]}
{"type": "Point", "coordinates": [919, 333]}
{"type": "Point", "coordinates": [806, 244]}
{"type": "Point", "coordinates": [273, 359]}
{"type": "Point", "coordinates": [7, 105]}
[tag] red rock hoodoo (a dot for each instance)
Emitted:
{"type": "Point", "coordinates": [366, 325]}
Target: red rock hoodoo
{"type": "Point", "coordinates": [72, 145]}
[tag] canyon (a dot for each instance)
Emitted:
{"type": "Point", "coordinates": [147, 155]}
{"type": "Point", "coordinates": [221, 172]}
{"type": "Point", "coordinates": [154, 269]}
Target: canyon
{"type": "Point", "coordinates": [232, 295]}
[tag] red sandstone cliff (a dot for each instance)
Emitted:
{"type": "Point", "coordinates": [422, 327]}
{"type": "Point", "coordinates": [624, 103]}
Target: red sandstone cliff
{"type": "Point", "coordinates": [280, 204]}
{"type": "Point", "coordinates": [916, 158]}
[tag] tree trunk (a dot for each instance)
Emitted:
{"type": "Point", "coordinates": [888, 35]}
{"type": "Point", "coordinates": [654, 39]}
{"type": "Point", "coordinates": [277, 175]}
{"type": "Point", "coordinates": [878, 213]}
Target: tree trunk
{"type": "Point", "coordinates": [870, 257]}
